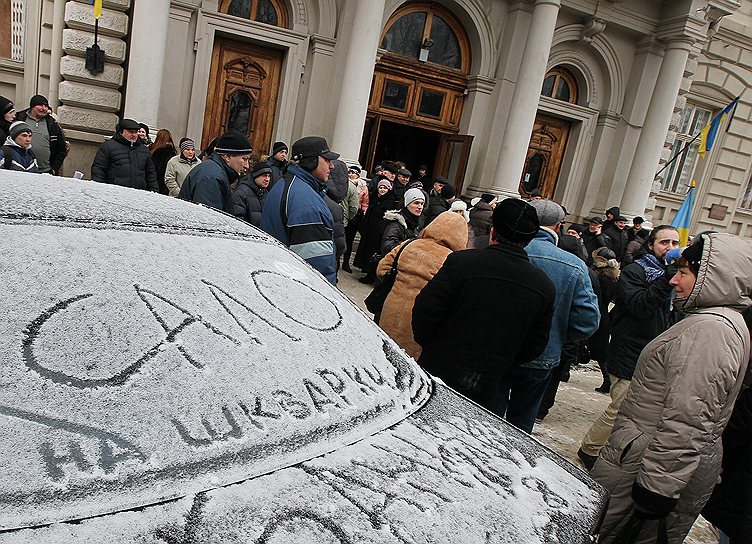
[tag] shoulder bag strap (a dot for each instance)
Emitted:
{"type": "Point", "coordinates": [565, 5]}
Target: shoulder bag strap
{"type": "Point", "coordinates": [397, 256]}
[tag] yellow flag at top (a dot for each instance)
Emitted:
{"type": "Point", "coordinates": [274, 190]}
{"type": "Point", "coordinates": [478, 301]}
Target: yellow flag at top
{"type": "Point", "coordinates": [97, 9]}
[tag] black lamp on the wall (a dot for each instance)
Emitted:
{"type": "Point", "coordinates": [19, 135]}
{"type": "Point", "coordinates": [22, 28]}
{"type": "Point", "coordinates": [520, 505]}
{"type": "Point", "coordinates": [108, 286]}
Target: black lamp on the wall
{"type": "Point", "coordinates": [95, 54]}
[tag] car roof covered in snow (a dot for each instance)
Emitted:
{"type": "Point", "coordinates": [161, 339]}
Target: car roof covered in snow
{"type": "Point", "coordinates": [154, 352]}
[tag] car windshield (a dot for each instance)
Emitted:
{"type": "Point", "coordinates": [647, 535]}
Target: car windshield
{"type": "Point", "coordinates": [141, 363]}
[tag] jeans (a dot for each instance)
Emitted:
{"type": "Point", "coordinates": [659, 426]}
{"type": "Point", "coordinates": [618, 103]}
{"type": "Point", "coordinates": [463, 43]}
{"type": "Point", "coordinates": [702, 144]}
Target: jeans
{"type": "Point", "coordinates": [520, 396]}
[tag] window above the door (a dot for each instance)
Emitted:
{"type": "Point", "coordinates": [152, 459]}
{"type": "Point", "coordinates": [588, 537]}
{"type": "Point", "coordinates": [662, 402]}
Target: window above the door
{"type": "Point", "coordinates": [271, 12]}
{"type": "Point", "coordinates": [560, 84]}
{"type": "Point", "coordinates": [428, 33]}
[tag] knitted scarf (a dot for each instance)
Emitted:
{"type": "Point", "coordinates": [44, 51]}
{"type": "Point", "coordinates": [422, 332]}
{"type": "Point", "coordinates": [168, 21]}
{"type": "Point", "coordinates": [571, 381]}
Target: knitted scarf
{"type": "Point", "coordinates": [653, 268]}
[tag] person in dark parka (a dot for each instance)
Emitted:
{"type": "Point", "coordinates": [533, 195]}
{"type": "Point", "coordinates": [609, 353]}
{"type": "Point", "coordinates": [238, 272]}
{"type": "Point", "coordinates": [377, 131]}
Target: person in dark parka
{"type": "Point", "coordinates": [209, 183]}
{"type": "Point", "coordinates": [371, 229]}
{"type": "Point", "coordinates": [7, 116]}
{"type": "Point", "coordinates": [616, 233]}
{"type": "Point", "coordinates": [606, 267]}
{"type": "Point", "coordinates": [248, 198]}
{"type": "Point", "coordinates": [593, 238]}
{"type": "Point", "coordinates": [730, 505]}
{"type": "Point", "coordinates": [494, 294]}
{"type": "Point", "coordinates": [123, 160]}
{"type": "Point", "coordinates": [480, 215]}
{"type": "Point", "coordinates": [277, 161]}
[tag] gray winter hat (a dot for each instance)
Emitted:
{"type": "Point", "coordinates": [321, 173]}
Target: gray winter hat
{"type": "Point", "coordinates": [549, 212]}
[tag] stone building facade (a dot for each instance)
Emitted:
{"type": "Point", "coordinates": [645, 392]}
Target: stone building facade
{"type": "Point", "coordinates": [581, 100]}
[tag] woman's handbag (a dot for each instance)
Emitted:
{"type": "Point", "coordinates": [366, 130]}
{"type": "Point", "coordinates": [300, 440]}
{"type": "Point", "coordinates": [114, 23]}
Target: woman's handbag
{"type": "Point", "coordinates": [375, 300]}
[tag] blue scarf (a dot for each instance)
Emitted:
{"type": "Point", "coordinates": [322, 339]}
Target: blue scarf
{"type": "Point", "coordinates": [653, 268]}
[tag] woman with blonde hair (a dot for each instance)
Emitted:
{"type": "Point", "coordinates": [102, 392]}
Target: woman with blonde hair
{"type": "Point", "coordinates": [417, 264]}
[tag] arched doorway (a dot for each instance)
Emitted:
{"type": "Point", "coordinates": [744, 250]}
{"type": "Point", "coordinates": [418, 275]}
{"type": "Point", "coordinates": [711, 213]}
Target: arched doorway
{"type": "Point", "coordinates": [549, 138]}
{"type": "Point", "coordinates": [244, 78]}
{"type": "Point", "coordinates": [418, 91]}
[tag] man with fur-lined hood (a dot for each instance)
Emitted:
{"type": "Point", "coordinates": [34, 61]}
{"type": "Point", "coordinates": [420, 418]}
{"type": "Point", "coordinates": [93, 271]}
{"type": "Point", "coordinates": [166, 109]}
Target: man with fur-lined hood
{"type": "Point", "coordinates": [417, 264]}
{"type": "Point", "coordinates": [664, 454]}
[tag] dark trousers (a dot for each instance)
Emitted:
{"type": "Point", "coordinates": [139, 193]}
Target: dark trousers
{"type": "Point", "coordinates": [520, 396]}
{"type": "Point", "coordinates": [350, 231]}
{"type": "Point", "coordinates": [549, 396]}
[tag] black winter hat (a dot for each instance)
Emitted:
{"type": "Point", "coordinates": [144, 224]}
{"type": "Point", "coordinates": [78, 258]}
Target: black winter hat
{"type": "Point", "coordinates": [615, 211]}
{"type": "Point", "coordinates": [447, 192]}
{"type": "Point", "coordinates": [487, 197]}
{"type": "Point", "coordinates": [18, 127]}
{"type": "Point", "coordinates": [233, 142]}
{"type": "Point", "coordinates": [38, 100]}
{"type": "Point", "coordinates": [310, 147]}
{"type": "Point", "coordinates": [515, 220]}
{"type": "Point", "coordinates": [260, 168]}
{"type": "Point", "coordinates": [5, 105]}
{"type": "Point", "coordinates": [693, 253]}
{"type": "Point", "coordinates": [441, 179]}
{"type": "Point", "coordinates": [279, 146]}
{"type": "Point", "coordinates": [390, 167]}
{"type": "Point", "coordinates": [144, 126]}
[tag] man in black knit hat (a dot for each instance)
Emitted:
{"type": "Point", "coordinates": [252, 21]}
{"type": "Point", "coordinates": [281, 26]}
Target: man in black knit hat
{"type": "Point", "coordinates": [277, 161]}
{"type": "Point", "coordinates": [209, 183]}
{"type": "Point", "coordinates": [487, 310]}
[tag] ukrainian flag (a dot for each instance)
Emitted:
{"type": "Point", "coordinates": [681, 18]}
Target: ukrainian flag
{"type": "Point", "coordinates": [684, 216]}
{"type": "Point", "coordinates": [708, 134]}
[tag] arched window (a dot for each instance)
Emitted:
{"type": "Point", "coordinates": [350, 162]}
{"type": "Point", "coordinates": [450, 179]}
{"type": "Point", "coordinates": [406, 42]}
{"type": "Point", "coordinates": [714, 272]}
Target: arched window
{"type": "Point", "coordinates": [430, 34]}
{"type": "Point", "coordinates": [271, 12]}
{"type": "Point", "coordinates": [560, 84]}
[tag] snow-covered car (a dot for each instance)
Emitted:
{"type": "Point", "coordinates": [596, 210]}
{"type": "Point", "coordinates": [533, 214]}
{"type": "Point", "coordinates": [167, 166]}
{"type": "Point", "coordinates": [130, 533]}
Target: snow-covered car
{"type": "Point", "coordinates": [169, 374]}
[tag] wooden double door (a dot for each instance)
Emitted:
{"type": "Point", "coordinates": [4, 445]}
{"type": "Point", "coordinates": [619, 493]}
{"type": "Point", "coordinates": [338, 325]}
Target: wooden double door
{"type": "Point", "coordinates": [242, 92]}
{"type": "Point", "coordinates": [544, 156]}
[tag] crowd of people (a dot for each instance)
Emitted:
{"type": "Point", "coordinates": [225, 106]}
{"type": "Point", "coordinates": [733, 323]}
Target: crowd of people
{"type": "Point", "coordinates": [499, 299]}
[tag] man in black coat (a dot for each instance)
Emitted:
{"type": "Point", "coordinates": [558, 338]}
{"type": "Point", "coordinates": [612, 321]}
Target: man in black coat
{"type": "Point", "coordinates": [248, 198]}
{"type": "Point", "coordinates": [438, 199]}
{"type": "Point", "coordinates": [124, 160]}
{"type": "Point", "coordinates": [593, 238]}
{"type": "Point", "coordinates": [495, 294]}
{"type": "Point", "coordinates": [616, 234]}
{"type": "Point", "coordinates": [209, 183]}
{"type": "Point", "coordinates": [277, 161]}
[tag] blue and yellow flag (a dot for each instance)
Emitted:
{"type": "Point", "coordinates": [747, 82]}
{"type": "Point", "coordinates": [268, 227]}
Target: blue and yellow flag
{"type": "Point", "coordinates": [97, 8]}
{"type": "Point", "coordinates": [684, 216]}
{"type": "Point", "coordinates": [708, 134]}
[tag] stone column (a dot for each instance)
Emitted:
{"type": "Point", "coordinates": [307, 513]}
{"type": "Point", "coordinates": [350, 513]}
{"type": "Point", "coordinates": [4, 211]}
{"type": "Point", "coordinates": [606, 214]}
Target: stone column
{"type": "Point", "coordinates": [525, 99]}
{"type": "Point", "coordinates": [653, 135]}
{"type": "Point", "coordinates": [358, 72]}
{"type": "Point", "coordinates": [149, 29]}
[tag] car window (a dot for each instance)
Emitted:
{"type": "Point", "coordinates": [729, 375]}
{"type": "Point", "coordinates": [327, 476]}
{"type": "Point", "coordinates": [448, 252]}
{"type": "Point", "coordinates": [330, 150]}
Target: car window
{"type": "Point", "coordinates": [143, 363]}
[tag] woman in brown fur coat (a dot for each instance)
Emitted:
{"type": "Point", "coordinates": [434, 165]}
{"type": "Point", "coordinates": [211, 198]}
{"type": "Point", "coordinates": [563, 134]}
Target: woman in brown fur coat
{"type": "Point", "coordinates": [415, 268]}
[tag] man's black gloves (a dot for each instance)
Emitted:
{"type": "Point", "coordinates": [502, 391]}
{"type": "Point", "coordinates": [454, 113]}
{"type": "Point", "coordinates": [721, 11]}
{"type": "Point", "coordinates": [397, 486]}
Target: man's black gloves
{"type": "Point", "coordinates": [651, 505]}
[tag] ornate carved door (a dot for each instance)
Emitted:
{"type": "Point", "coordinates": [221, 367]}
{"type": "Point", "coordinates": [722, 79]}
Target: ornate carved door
{"type": "Point", "coordinates": [242, 92]}
{"type": "Point", "coordinates": [544, 155]}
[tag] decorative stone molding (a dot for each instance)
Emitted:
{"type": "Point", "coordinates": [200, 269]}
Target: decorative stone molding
{"type": "Point", "coordinates": [75, 43]}
{"type": "Point", "coordinates": [111, 23]}
{"type": "Point", "coordinates": [91, 104]}
{"type": "Point", "coordinates": [573, 58]}
{"type": "Point", "coordinates": [480, 84]}
{"type": "Point", "coordinates": [593, 27]}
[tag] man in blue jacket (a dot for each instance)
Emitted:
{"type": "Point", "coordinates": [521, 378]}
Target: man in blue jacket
{"type": "Point", "coordinates": [295, 212]}
{"type": "Point", "coordinates": [576, 316]}
{"type": "Point", "coordinates": [209, 182]}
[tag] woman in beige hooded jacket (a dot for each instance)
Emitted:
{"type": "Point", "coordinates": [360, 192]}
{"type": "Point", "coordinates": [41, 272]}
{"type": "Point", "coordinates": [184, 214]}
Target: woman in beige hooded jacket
{"type": "Point", "coordinates": [416, 266]}
{"type": "Point", "coordinates": [664, 455]}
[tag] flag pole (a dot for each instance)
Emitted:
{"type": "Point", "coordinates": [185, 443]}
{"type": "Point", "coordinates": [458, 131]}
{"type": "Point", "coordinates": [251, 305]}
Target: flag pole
{"type": "Point", "coordinates": [678, 154]}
